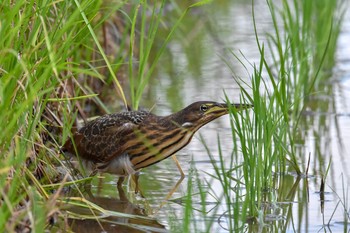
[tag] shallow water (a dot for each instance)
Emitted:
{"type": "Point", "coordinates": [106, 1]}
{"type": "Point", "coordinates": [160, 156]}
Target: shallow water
{"type": "Point", "coordinates": [193, 70]}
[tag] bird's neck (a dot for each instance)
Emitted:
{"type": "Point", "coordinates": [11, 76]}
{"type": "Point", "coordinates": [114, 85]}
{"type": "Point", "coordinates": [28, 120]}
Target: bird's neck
{"type": "Point", "coordinates": [177, 120]}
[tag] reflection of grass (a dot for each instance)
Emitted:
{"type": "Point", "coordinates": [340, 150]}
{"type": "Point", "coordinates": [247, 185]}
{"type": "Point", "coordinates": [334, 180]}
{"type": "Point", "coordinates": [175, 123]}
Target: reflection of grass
{"type": "Point", "coordinates": [146, 64]}
{"type": "Point", "coordinates": [300, 54]}
{"type": "Point", "coordinates": [344, 203]}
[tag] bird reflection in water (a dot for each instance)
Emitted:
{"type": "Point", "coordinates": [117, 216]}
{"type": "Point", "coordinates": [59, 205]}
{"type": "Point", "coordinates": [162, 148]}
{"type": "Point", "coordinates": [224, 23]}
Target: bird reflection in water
{"type": "Point", "coordinates": [114, 223]}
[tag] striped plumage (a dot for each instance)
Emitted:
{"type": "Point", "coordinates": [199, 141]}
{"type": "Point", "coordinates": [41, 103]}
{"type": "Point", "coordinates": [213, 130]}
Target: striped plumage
{"type": "Point", "coordinates": [123, 143]}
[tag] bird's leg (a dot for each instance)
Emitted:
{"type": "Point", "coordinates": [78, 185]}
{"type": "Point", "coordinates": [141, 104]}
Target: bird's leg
{"type": "Point", "coordinates": [99, 185]}
{"type": "Point", "coordinates": [120, 181]}
{"type": "Point", "coordinates": [135, 178]}
{"type": "Point", "coordinates": [178, 167]}
{"type": "Point", "coordinates": [87, 190]}
{"type": "Point", "coordinates": [122, 195]}
{"type": "Point", "coordinates": [172, 191]}
{"type": "Point", "coordinates": [87, 184]}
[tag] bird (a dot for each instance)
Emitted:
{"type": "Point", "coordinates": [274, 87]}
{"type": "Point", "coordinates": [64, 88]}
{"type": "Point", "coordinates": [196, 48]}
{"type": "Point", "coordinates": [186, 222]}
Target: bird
{"type": "Point", "coordinates": [124, 143]}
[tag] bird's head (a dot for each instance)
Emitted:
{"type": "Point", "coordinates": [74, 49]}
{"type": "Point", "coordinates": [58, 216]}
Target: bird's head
{"type": "Point", "coordinates": [200, 113]}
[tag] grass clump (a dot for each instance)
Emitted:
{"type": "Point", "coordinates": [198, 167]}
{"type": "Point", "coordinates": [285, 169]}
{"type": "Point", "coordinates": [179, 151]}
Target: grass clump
{"type": "Point", "coordinates": [42, 55]}
{"type": "Point", "coordinates": [295, 59]}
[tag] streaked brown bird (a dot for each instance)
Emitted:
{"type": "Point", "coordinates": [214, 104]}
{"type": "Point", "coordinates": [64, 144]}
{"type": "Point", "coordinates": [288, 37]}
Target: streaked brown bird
{"type": "Point", "coordinates": [123, 143]}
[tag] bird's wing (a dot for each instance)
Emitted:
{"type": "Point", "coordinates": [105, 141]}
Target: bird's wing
{"type": "Point", "coordinates": [103, 138]}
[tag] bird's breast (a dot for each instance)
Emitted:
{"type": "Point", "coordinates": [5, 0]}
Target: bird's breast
{"type": "Point", "coordinates": [150, 151]}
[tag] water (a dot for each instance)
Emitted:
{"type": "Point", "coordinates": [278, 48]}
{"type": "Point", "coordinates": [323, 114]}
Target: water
{"type": "Point", "coordinates": [194, 70]}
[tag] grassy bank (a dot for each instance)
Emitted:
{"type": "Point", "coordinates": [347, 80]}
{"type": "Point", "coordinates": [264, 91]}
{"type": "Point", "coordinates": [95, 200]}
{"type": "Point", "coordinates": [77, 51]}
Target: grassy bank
{"type": "Point", "coordinates": [48, 55]}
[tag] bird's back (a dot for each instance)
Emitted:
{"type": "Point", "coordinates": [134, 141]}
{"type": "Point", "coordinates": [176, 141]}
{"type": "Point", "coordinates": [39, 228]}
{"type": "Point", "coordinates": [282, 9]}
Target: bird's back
{"type": "Point", "coordinates": [103, 138]}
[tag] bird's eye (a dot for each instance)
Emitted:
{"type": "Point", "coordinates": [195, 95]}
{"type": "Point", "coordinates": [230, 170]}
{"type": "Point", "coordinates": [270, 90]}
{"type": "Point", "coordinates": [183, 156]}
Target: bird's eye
{"type": "Point", "coordinates": [203, 108]}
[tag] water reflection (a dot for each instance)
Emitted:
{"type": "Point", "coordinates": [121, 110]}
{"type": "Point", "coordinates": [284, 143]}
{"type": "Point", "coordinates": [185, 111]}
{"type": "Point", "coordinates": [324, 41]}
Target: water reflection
{"type": "Point", "coordinates": [114, 223]}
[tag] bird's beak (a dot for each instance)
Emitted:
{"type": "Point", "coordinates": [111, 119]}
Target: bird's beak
{"type": "Point", "coordinates": [223, 108]}
{"type": "Point", "coordinates": [239, 107]}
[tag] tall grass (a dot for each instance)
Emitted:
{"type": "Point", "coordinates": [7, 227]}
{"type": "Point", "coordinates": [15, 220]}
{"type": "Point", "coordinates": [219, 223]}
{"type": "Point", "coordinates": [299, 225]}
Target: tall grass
{"type": "Point", "coordinates": [42, 55]}
{"type": "Point", "coordinates": [296, 58]}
